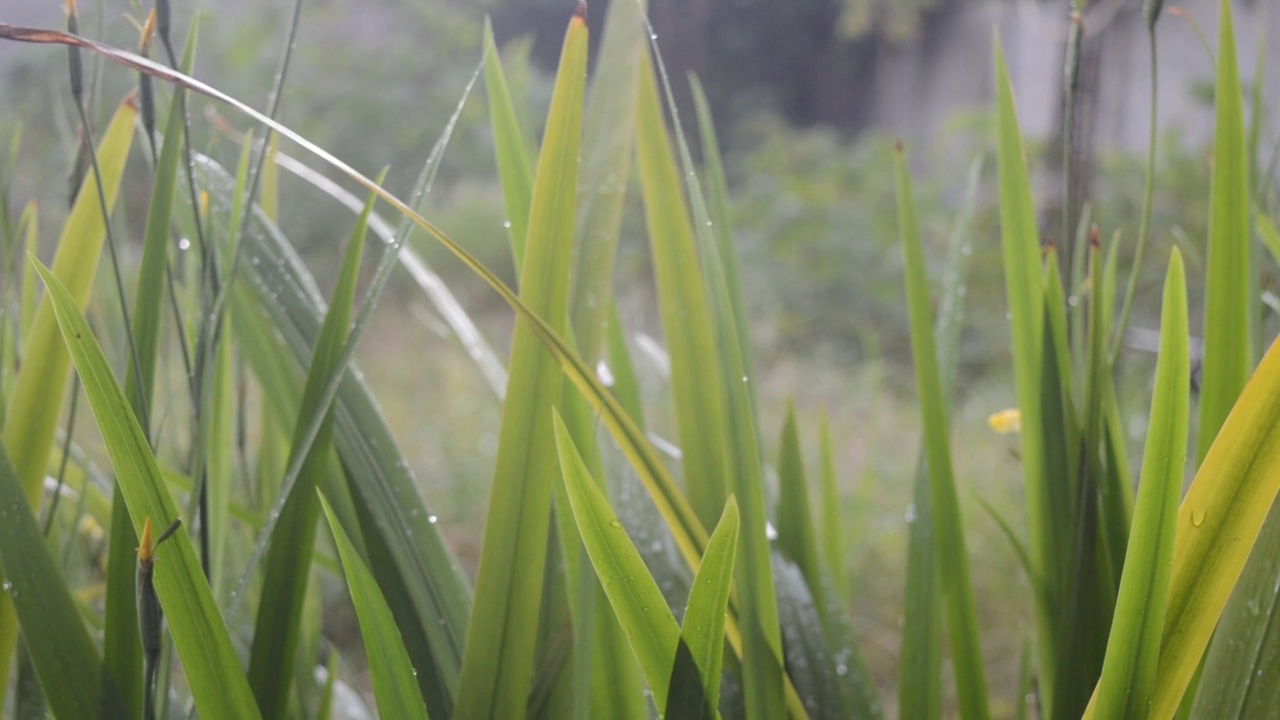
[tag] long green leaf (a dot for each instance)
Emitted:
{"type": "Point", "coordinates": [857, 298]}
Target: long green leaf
{"type": "Point", "coordinates": [608, 134]}
{"type": "Point", "coordinates": [920, 667]}
{"type": "Point", "coordinates": [642, 611]}
{"type": "Point", "coordinates": [394, 686]}
{"type": "Point", "coordinates": [514, 156]}
{"type": "Point", "coordinates": [1021, 252]}
{"type": "Point", "coordinates": [497, 668]}
{"type": "Point", "coordinates": [734, 428]}
{"type": "Point", "coordinates": [952, 561]}
{"type": "Point", "coordinates": [288, 561]}
{"type": "Point", "coordinates": [695, 689]}
{"type": "Point", "coordinates": [1226, 305]}
{"type": "Point", "coordinates": [31, 416]}
{"type": "Point", "coordinates": [686, 317]}
{"type": "Point", "coordinates": [64, 656]}
{"type": "Point", "coordinates": [1128, 672]}
{"type": "Point", "coordinates": [212, 669]}
{"type": "Point", "coordinates": [795, 524]}
{"type": "Point", "coordinates": [122, 650]}
{"type": "Point", "coordinates": [1218, 522]}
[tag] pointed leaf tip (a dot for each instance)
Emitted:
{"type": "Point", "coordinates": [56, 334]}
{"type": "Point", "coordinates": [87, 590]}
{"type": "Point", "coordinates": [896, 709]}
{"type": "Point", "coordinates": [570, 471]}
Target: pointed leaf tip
{"type": "Point", "coordinates": [581, 11]}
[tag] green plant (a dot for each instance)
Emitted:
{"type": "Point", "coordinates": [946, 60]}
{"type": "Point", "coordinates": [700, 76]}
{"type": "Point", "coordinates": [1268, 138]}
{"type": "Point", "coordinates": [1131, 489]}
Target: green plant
{"type": "Point", "coordinates": [565, 618]}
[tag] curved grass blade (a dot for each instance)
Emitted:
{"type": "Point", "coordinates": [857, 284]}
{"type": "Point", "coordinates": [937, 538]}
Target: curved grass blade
{"type": "Point", "coordinates": [64, 656]}
{"type": "Point", "coordinates": [31, 416]}
{"type": "Point", "coordinates": [288, 561]}
{"type": "Point", "coordinates": [218, 685]}
{"type": "Point", "coordinates": [952, 561]}
{"type": "Point", "coordinates": [1133, 648]}
{"type": "Point", "coordinates": [497, 668]}
{"type": "Point", "coordinates": [392, 675]}
{"type": "Point", "coordinates": [695, 688]}
{"type": "Point", "coordinates": [1226, 306]}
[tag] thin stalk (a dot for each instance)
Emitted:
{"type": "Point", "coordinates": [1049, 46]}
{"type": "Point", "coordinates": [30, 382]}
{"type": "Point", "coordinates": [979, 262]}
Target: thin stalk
{"type": "Point", "coordinates": [66, 455]}
{"type": "Point", "coordinates": [1071, 82]}
{"type": "Point", "coordinates": [1144, 221]}
{"type": "Point", "coordinates": [208, 274]}
{"type": "Point", "coordinates": [77, 94]}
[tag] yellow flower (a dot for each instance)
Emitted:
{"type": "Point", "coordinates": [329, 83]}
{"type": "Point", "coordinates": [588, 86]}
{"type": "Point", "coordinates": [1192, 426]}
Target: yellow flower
{"type": "Point", "coordinates": [1006, 421]}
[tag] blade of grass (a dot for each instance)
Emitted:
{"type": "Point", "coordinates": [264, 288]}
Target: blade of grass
{"type": "Point", "coordinates": [45, 363]}
{"type": "Point", "coordinates": [608, 134]}
{"type": "Point", "coordinates": [795, 525]}
{"type": "Point", "coordinates": [638, 603]}
{"type": "Point", "coordinates": [122, 652]}
{"type": "Point", "coordinates": [952, 561]}
{"type": "Point", "coordinates": [1021, 252]}
{"type": "Point", "coordinates": [1226, 364]}
{"type": "Point", "coordinates": [686, 317]}
{"type": "Point", "coordinates": [497, 666]}
{"type": "Point", "coordinates": [406, 551]}
{"type": "Point", "coordinates": [1128, 672]}
{"type": "Point", "coordinates": [718, 192]}
{"type": "Point", "coordinates": [64, 656]}
{"type": "Point", "coordinates": [920, 666]}
{"type": "Point", "coordinates": [213, 672]}
{"type": "Point", "coordinates": [1218, 522]}
{"type": "Point", "coordinates": [766, 683]}
{"type": "Point", "coordinates": [392, 675]}
{"type": "Point", "coordinates": [514, 156]}
{"type": "Point", "coordinates": [288, 561]}
{"type": "Point", "coordinates": [702, 635]}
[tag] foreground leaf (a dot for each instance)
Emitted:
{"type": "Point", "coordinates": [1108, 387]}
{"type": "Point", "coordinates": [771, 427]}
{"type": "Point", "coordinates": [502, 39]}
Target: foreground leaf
{"type": "Point", "coordinates": [218, 684]}
{"type": "Point", "coordinates": [288, 562]}
{"type": "Point", "coordinates": [64, 656]}
{"type": "Point", "coordinates": [392, 674]}
{"type": "Point", "coordinates": [497, 668]}
{"type": "Point", "coordinates": [31, 417]}
{"type": "Point", "coordinates": [702, 636]}
{"type": "Point", "coordinates": [1128, 672]}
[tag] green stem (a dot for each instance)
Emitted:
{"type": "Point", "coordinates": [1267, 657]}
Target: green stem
{"type": "Point", "coordinates": [1144, 222]}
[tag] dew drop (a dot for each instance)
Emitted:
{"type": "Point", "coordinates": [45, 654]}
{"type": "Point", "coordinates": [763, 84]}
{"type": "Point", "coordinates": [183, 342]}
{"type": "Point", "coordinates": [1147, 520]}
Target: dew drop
{"type": "Point", "coordinates": [432, 519]}
{"type": "Point", "coordinates": [506, 224]}
{"type": "Point", "coordinates": [184, 244]}
{"type": "Point", "coordinates": [910, 514]}
{"type": "Point", "coordinates": [616, 523]}
{"type": "Point", "coordinates": [1197, 518]}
